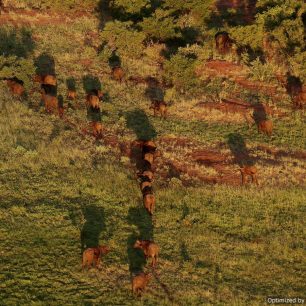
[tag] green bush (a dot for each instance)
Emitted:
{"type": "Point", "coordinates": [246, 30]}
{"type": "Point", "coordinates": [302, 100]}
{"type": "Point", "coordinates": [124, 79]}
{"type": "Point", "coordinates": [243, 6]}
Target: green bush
{"type": "Point", "coordinates": [180, 72]}
{"type": "Point", "coordinates": [121, 36]}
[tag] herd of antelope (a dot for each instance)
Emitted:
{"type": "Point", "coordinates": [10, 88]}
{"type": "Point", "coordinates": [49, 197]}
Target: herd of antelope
{"type": "Point", "coordinates": [53, 105]}
{"type": "Point", "coordinates": [92, 256]}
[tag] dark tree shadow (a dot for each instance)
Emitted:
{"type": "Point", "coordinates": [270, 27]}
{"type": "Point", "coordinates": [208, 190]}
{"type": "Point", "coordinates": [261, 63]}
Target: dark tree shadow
{"type": "Point", "coordinates": [238, 148]}
{"type": "Point", "coordinates": [45, 64]}
{"type": "Point", "coordinates": [138, 217]}
{"type": "Point", "coordinates": [71, 83]}
{"type": "Point", "coordinates": [138, 121]}
{"type": "Point", "coordinates": [16, 42]}
{"type": "Point", "coordinates": [91, 83]}
{"type": "Point", "coordinates": [93, 226]}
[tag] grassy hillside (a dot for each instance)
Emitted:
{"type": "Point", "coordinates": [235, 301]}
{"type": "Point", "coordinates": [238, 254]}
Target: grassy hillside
{"type": "Point", "coordinates": [220, 245]}
{"type": "Point", "coordinates": [61, 190]}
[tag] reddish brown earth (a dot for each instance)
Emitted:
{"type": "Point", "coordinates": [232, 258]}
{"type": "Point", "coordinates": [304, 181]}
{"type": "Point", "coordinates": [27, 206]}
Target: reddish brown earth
{"type": "Point", "coordinates": [21, 17]}
{"type": "Point", "coordinates": [246, 9]}
{"type": "Point", "coordinates": [235, 72]}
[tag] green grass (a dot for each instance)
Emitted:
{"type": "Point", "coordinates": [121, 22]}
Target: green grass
{"type": "Point", "coordinates": [59, 192]}
{"type": "Point", "coordinates": [219, 245]}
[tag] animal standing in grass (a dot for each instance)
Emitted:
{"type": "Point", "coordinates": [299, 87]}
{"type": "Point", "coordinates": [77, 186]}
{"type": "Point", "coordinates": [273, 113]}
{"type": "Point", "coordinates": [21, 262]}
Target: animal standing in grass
{"type": "Point", "coordinates": [92, 256]}
{"type": "Point", "coordinates": [16, 87]}
{"type": "Point", "coordinates": [71, 95]}
{"type": "Point", "coordinates": [150, 249]}
{"type": "Point", "coordinates": [265, 127]}
{"type": "Point", "coordinates": [118, 74]}
{"type": "Point", "coordinates": [50, 103]}
{"type": "Point", "coordinates": [249, 171]}
{"type": "Point", "coordinates": [139, 283]}
{"type": "Point", "coordinates": [159, 107]}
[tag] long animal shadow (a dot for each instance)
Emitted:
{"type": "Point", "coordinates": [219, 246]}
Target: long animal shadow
{"type": "Point", "coordinates": [138, 217]}
{"type": "Point", "coordinates": [45, 64]}
{"type": "Point", "coordinates": [154, 91]}
{"type": "Point", "coordinates": [138, 121]}
{"type": "Point", "coordinates": [238, 148]}
{"type": "Point", "coordinates": [93, 226]}
{"type": "Point", "coordinates": [71, 83]}
{"type": "Point", "coordinates": [91, 83]}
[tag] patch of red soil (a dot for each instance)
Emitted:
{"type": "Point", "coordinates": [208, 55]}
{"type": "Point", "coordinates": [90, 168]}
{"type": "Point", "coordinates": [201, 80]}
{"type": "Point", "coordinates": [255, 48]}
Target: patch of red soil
{"type": "Point", "coordinates": [225, 176]}
{"type": "Point", "coordinates": [208, 158]}
{"type": "Point", "coordinates": [256, 85]}
{"type": "Point", "coordinates": [282, 153]}
{"type": "Point", "coordinates": [236, 72]}
{"type": "Point", "coordinates": [226, 106]}
{"type": "Point", "coordinates": [220, 68]}
{"type": "Point", "coordinates": [245, 9]}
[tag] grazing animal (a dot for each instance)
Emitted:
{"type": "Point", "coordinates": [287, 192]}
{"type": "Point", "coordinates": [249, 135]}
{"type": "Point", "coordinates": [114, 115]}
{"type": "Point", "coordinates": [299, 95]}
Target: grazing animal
{"type": "Point", "coordinates": [47, 79]}
{"type": "Point", "coordinates": [249, 171]}
{"type": "Point", "coordinates": [159, 107]}
{"type": "Point", "coordinates": [92, 101]}
{"type": "Point", "coordinates": [149, 157]}
{"type": "Point", "coordinates": [148, 200]}
{"type": "Point", "coordinates": [139, 283]}
{"type": "Point", "coordinates": [16, 87]}
{"type": "Point", "coordinates": [91, 256]}
{"type": "Point", "coordinates": [149, 144]}
{"type": "Point", "coordinates": [223, 42]}
{"type": "Point", "coordinates": [300, 100]}
{"type": "Point", "coordinates": [145, 182]}
{"type": "Point", "coordinates": [118, 74]}
{"type": "Point", "coordinates": [266, 127]}
{"type": "Point", "coordinates": [147, 174]}
{"type": "Point", "coordinates": [97, 129]}
{"type": "Point", "coordinates": [71, 94]}
{"type": "Point", "coordinates": [50, 102]}
{"type": "Point", "coordinates": [294, 88]}
{"type": "Point", "coordinates": [150, 249]}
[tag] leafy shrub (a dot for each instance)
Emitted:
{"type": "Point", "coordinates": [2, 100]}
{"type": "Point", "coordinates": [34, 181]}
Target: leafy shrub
{"type": "Point", "coordinates": [262, 72]}
{"type": "Point", "coordinates": [180, 72]}
{"type": "Point", "coordinates": [121, 36]}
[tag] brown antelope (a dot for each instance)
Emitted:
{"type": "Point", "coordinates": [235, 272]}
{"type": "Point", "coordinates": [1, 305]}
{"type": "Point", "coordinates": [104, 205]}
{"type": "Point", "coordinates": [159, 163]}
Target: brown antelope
{"type": "Point", "coordinates": [249, 171]}
{"type": "Point", "coordinates": [118, 73]}
{"type": "Point", "coordinates": [266, 127]}
{"type": "Point", "coordinates": [91, 256]}
{"type": "Point", "coordinates": [139, 283]}
{"type": "Point", "coordinates": [150, 249]}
